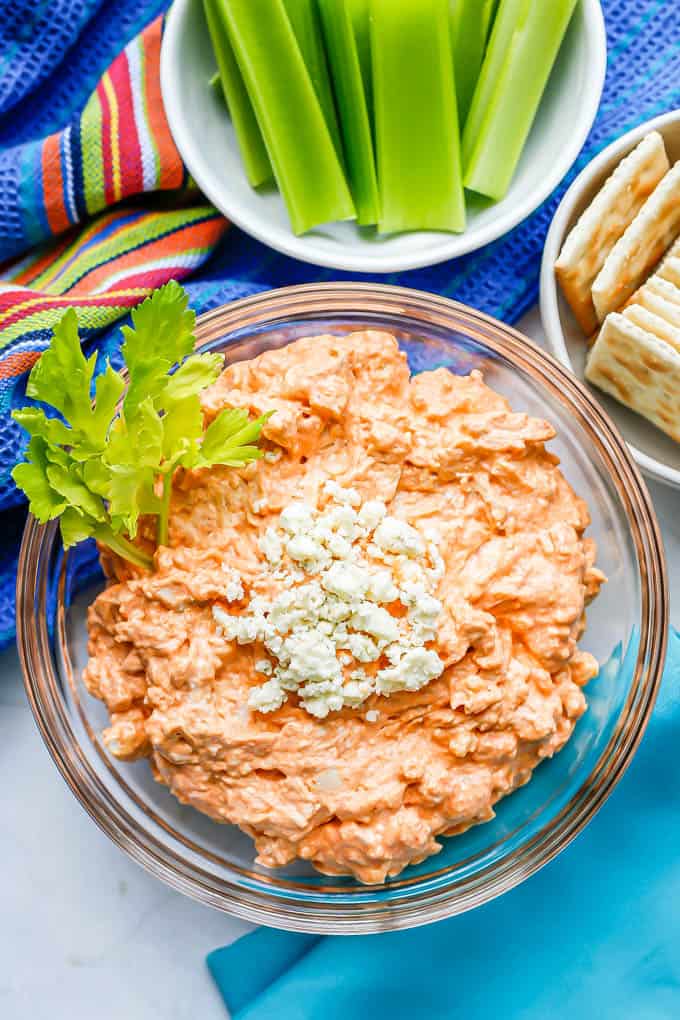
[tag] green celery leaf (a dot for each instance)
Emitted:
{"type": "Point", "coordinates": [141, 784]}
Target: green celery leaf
{"type": "Point", "coordinates": [104, 479]}
{"type": "Point", "coordinates": [145, 431]}
{"type": "Point", "coordinates": [232, 420]}
{"type": "Point", "coordinates": [161, 336]}
{"type": "Point", "coordinates": [58, 455]}
{"type": "Point", "coordinates": [133, 457]}
{"type": "Point", "coordinates": [137, 439]}
{"type": "Point", "coordinates": [242, 455]}
{"type": "Point", "coordinates": [97, 476]}
{"type": "Point", "coordinates": [63, 375]}
{"type": "Point", "coordinates": [62, 378]}
{"type": "Point", "coordinates": [224, 440]}
{"type": "Point", "coordinates": [182, 429]}
{"type": "Point", "coordinates": [70, 485]}
{"type": "Point", "coordinates": [100, 469]}
{"type": "Point", "coordinates": [74, 528]}
{"type": "Point", "coordinates": [108, 391]}
{"type": "Point", "coordinates": [36, 423]}
{"type": "Point", "coordinates": [45, 502]}
{"type": "Point", "coordinates": [192, 376]}
{"type": "Point", "coordinates": [131, 493]}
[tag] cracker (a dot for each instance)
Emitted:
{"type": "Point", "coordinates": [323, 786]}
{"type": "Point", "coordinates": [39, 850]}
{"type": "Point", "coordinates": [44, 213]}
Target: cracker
{"type": "Point", "coordinates": [663, 324]}
{"type": "Point", "coordinates": [645, 240]}
{"type": "Point", "coordinates": [674, 251]}
{"type": "Point", "coordinates": [661, 288]}
{"type": "Point", "coordinates": [670, 270]}
{"type": "Point", "coordinates": [604, 221]}
{"type": "Point", "coordinates": [639, 370]}
{"type": "Point", "coordinates": [658, 284]}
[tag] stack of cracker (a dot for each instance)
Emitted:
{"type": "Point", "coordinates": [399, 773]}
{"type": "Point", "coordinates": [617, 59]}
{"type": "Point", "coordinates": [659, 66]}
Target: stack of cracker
{"type": "Point", "coordinates": [604, 271]}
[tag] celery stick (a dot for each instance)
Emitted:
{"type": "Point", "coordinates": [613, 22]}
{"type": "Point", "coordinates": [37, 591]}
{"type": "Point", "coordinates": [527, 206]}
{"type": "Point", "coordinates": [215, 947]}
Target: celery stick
{"type": "Point", "coordinates": [251, 146]}
{"type": "Point", "coordinates": [349, 90]}
{"type": "Point", "coordinates": [416, 120]}
{"type": "Point", "coordinates": [499, 43]}
{"type": "Point", "coordinates": [359, 15]}
{"type": "Point", "coordinates": [493, 140]}
{"type": "Point", "coordinates": [304, 19]}
{"type": "Point", "coordinates": [471, 22]}
{"type": "Point", "coordinates": [301, 150]}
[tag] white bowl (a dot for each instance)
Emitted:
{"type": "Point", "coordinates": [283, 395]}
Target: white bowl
{"type": "Point", "coordinates": [206, 141]}
{"type": "Point", "coordinates": [656, 453]}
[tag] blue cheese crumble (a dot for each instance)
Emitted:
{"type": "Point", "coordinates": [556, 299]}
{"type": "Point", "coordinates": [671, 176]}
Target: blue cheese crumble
{"type": "Point", "coordinates": [339, 569]}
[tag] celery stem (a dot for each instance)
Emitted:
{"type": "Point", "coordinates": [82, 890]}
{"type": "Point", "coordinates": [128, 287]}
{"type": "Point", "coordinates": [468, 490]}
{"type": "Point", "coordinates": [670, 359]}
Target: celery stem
{"type": "Point", "coordinates": [520, 57]}
{"type": "Point", "coordinates": [230, 80]}
{"type": "Point", "coordinates": [164, 515]}
{"type": "Point", "coordinates": [305, 162]}
{"type": "Point", "coordinates": [343, 57]}
{"type": "Point", "coordinates": [416, 117]}
{"type": "Point", "coordinates": [123, 547]}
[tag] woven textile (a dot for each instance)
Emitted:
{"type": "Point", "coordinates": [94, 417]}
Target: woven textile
{"type": "Point", "coordinates": [47, 185]}
{"type": "Point", "coordinates": [32, 41]}
{"type": "Point", "coordinates": [120, 146]}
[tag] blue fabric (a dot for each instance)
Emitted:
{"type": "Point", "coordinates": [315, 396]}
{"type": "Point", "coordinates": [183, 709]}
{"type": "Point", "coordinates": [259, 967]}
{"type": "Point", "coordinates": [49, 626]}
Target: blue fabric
{"type": "Point", "coordinates": [33, 39]}
{"type": "Point", "coordinates": [66, 45]}
{"type": "Point", "coordinates": [643, 79]}
{"type": "Point", "coordinates": [595, 935]}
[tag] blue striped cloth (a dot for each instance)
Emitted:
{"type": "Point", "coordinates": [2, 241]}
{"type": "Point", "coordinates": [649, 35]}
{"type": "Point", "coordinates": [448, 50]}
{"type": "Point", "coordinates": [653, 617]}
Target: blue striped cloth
{"type": "Point", "coordinates": [52, 53]}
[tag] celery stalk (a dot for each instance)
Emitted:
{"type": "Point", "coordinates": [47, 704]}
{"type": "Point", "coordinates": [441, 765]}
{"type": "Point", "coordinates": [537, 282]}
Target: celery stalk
{"type": "Point", "coordinates": [251, 146]}
{"type": "Point", "coordinates": [471, 22]}
{"type": "Point", "coordinates": [496, 51]}
{"type": "Point", "coordinates": [359, 16]}
{"type": "Point", "coordinates": [354, 121]}
{"type": "Point", "coordinates": [416, 121]}
{"type": "Point", "coordinates": [299, 144]}
{"type": "Point", "coordinates": [304, 19]}
{"type": "Point", "coordinates": [509, 90]}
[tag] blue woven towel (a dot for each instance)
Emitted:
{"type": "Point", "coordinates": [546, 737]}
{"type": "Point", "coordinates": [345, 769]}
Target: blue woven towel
{"type": "Point", "coordinates": [52, 52]}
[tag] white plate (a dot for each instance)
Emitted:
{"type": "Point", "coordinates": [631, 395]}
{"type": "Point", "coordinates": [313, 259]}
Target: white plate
{"type": "Point", "coordinates": [655, 452]}
{"type": "Point", "coordinates": [205, 139]}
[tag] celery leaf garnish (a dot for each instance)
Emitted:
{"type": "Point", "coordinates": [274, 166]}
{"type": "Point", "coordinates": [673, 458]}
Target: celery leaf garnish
{"type": "Point", "coordinates": [103, 464]}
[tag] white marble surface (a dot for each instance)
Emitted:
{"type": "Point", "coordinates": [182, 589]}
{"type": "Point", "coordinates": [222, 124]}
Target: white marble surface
{"type": "Point", "coordinates": [85, 932]}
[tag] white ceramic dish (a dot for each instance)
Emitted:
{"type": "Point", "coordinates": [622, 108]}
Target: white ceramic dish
{"type": "Point", "coordinates": [205, 139]}
{"type": "Point", "coordinates": [657, 454]}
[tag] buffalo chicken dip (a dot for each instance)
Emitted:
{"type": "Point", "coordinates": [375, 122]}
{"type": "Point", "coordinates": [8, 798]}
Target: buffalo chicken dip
{"type": "Point", "coordinates": [366, 638]}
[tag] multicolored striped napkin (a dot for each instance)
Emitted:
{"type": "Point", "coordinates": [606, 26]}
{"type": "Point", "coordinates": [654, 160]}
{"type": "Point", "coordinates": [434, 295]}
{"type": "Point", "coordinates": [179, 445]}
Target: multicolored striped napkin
{"type": "Point", "coordinates": [119, 148]}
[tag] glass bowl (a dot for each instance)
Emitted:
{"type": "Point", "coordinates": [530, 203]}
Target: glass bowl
{"type": "Point", "coordinates": [626, 632]}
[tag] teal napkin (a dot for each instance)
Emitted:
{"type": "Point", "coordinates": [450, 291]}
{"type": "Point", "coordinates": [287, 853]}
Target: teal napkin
{"type": "Point", "coordinates": [595, 935]}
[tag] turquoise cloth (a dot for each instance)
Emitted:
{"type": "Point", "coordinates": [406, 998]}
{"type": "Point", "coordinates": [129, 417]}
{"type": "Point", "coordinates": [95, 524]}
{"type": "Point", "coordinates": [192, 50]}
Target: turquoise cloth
{"type": "Point", "coordinates": [595, 935]}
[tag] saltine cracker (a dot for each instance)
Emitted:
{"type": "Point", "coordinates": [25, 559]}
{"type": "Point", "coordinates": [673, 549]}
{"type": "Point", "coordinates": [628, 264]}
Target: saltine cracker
{"type": "Point", "coordinates": [639, 370]}
{"type": "Point", "coordinates": [645, 240]}
{"type": "Point", "coordinates": [604, 221]}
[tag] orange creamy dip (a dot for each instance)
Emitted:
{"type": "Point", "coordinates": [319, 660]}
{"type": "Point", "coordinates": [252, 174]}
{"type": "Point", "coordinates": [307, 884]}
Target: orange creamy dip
{"type": "Point", "coordinates": [357, 793]}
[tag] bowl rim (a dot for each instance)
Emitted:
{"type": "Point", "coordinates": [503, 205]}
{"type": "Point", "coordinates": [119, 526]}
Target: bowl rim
{"type": "Point", "coordinates": [417, 906]}
{"type": "Point", "coordinates": [449, 246]}
{"type": "Point", "coordinates": [548, 291]}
